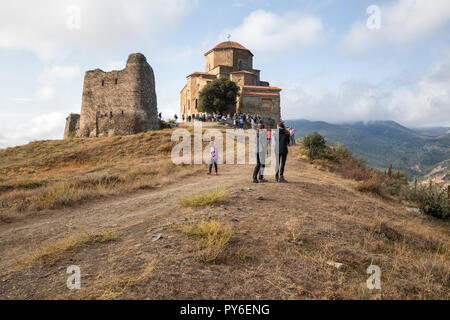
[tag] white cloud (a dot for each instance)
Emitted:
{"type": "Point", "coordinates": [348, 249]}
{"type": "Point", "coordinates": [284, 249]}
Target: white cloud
{"type": "Point", "coordinates": [56, 77]}
{"type": "Point", "coordinates": [424, 103]}
{"type": "Point", "coordinates": [265, 31]}
{"type": "Point", "coordinates": [238, 3]}
{"type": "Point", "coordinates": [33, 118]}
{"type": "Point", "coordinates": [46, 126]}
{"type": "Point", "coordinates": [46, 93]}
{"type": "Point", "coordinates": [41, 26]}
{"type": "Point", "coordinates": [58, 74]}
{"type": "Point", "coordinates": [114, 65]}
{"type": "Point", "coordinates": [402, 22]}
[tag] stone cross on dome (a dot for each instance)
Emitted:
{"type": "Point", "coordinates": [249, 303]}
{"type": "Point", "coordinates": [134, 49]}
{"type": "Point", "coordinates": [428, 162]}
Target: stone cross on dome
{"type": "Point", "coordinates": [229, 37]}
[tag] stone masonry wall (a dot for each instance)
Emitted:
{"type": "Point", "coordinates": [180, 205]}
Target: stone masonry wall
{"type": "Point", "coordinates": [119, 102]}
{"type": "Point", "coordinates": [72, 125]}
{"type": "Point", "coordinates": [254, 105]}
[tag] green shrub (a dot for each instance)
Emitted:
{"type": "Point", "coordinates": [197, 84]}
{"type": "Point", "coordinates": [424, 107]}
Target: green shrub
{"type": "Point", "coordinates": [315, 144]}
{"type": "Point", "coordinates": [342, 151]}
{"type": "Point", "coordinates": [218, 96]}
{"type": "Point", "coordinates": [378, 183]}
{"type": "Point", "coordinates": [330, 155]}
{"type": "Point", "coordinates": [431, 199]}
{"type": "Point", "coordinates": [396, 183]}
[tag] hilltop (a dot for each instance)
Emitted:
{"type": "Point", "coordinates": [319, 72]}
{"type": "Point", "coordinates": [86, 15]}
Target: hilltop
{"type": "Point", "coordinates": [382, 143]}
{"type": "Point", "coordinates": [121, 211]}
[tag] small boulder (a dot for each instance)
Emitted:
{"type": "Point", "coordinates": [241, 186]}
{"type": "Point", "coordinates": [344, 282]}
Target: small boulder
{"type": "Point", "coordinates": [156, 237]}
{"type": "Point", "coordinates": [337, 265]}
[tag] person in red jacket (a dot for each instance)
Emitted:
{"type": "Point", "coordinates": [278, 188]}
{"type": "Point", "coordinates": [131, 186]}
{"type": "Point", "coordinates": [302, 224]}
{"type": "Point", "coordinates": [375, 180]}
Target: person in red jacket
{"type": "Point", "coordinates": [269, 136]}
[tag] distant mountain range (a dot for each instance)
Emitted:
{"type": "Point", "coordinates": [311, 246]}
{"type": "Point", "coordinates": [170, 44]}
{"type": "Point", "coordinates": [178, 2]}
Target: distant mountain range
{"type": "Point", "coordinates": [421, 152]}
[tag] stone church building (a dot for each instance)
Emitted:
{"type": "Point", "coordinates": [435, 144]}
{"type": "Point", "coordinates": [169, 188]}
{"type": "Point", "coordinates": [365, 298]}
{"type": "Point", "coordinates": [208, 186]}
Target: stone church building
{"type": "Point", "coordinates": [115, 103]}
{"type": "Point", "coordinates": [234, 61]}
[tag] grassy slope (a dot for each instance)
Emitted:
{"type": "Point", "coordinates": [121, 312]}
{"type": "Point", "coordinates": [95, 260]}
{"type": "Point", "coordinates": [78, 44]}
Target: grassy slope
{"type": "Point", "coordinates": [54, 174]}
{"type": "Point", "coordinates": [282, 235]}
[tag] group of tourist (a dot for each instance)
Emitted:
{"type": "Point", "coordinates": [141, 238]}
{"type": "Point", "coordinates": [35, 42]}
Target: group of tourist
{"type": "Point", "coordinates": [285, 137]}
{"type": "Point", "coordinates": [205, 117]}
{"type": "Point", "coordinates": [239, 119]}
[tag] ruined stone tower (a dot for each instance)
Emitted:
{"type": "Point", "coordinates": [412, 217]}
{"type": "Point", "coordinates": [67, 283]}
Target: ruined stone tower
{"type": "Point", "coordinates": [117, 102]}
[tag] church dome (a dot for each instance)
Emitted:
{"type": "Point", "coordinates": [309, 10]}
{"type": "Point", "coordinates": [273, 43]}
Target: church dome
{"type": "Point", "coordinates": [230, 45]}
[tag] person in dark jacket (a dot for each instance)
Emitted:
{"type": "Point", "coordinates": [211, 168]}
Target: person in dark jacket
{"type": "Point", "coordinates": [261, 152]}
{"type": "Point", "coordinates": [284, 138]}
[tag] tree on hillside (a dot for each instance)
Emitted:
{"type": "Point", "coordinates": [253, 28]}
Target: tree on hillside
{"type": "Point", "coordinates": [218, 96]}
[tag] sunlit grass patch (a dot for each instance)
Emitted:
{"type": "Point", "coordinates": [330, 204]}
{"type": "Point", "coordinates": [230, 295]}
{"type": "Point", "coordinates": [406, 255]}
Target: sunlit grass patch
{"type": "Point", "coordinates": [213, 238]}
{"type": "Point", "coordinates": [113, 286]}
{"type": "Point", "coordinates": [206, 198]}
{"type": "Point", "coordinates": [52, 251]}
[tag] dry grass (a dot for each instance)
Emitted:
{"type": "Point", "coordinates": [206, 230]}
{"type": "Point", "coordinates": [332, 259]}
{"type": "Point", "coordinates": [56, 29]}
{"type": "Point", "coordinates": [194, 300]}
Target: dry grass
{"type": "Point", "coordinates": [294, 229]}
{"type": "Point", "coordinates": [372, 185]}
{"type": "Point", "coordinates": [278, 248]}
{"type": "Point", "coordinates": [213, 238]}
{"type": "Point", "coordinates": [49, 252]}
{"type": "Point", "coordinates": [112, 286]}
{"type": "Point", "coordinates": [206, 198]}
{"type": "Point", "coordinates": [57, 174]}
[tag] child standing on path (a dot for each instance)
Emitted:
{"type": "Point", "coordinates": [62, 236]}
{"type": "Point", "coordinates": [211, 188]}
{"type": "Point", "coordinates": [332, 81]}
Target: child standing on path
{"type": "Point", "coordinates": [292, 134]}
{"type": "Point", "coordinates": [214, 157]}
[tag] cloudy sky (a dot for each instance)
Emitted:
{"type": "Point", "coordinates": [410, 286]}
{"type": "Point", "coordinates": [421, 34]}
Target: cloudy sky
{"type": "Point", "coordinates": [329, 63]}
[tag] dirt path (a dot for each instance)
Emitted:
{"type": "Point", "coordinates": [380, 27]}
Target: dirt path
{"type": "Point", "coordinates": [18, 239]}
{"type": "Point", "coordinates": [264, 261]}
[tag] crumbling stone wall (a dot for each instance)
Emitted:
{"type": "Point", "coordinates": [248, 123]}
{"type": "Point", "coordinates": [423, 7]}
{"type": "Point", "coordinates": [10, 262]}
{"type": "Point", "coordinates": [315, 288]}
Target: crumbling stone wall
{"type": "Point", "coordinates": [119, 102]}
{"type": "Point", "coordinates": [72, 125]}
